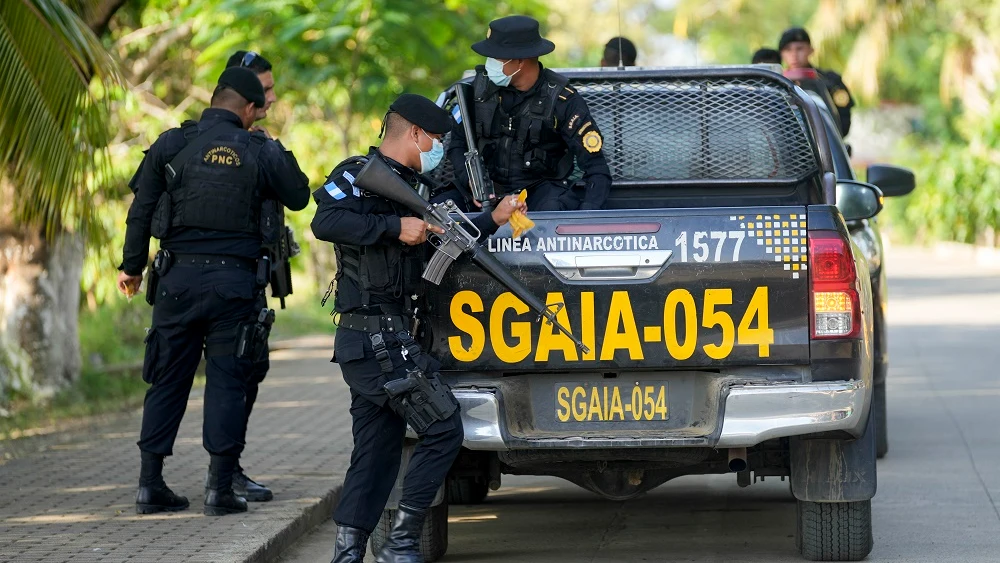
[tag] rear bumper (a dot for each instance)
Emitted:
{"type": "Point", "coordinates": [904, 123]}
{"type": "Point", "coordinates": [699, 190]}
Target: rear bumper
{"type": "Point", "coordinates": [752, 414]}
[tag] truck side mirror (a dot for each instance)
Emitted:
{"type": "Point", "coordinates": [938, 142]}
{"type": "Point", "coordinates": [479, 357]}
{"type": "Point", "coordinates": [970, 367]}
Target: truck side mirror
{"type": "Point", "coordinates": [857, 200]}
{"type": "Point", "coordinates": [892, 180]}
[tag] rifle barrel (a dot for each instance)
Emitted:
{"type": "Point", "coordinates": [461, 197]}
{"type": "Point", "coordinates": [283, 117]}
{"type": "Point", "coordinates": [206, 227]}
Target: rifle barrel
{"type": "Point", "coordinates": [493, 267]}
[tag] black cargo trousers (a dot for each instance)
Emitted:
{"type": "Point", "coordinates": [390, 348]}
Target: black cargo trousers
{"type": "Point", "coordinates": [198, 308]}
{"type": "Point", "coordinates": [378, 437]}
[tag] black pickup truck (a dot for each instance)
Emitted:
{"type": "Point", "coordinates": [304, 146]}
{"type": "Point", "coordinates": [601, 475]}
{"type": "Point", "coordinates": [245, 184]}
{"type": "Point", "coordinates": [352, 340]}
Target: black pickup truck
{"type": "Point", "coordinates": [733, 320]}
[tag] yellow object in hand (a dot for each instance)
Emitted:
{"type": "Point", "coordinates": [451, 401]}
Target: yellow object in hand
{"type": "Point", "coordinates": [519, 222]}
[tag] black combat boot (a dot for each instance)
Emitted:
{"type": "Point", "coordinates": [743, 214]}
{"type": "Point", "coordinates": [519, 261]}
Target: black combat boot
{"type": "Point", "coordinates": [350, 546]}
{"type": "Point", "coordinates": [154, 495]}
{"type": "Point", "coordinates": [249, 489]}
{"type": "Point", "coordinates": [403, 543]}
{"type": "Point", "coordinates": [219, 497]}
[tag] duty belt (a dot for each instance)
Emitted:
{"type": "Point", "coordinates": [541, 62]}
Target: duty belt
{"type": "Point", "coordinates": [410, 351]}
{"type": "Point", "coordinates": [214, 260]}
{"type": "Point", "coordinates": [374, 324]}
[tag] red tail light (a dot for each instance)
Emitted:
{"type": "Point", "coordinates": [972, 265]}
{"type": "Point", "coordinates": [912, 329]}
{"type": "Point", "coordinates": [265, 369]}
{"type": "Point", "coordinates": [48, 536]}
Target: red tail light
{"type": "Point", "coordinates": [836, 311]}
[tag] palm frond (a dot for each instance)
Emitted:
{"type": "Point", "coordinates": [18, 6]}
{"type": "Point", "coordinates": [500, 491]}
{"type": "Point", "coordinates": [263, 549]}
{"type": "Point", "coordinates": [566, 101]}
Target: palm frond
{"type": "Point", "coordinates": [52, 118]}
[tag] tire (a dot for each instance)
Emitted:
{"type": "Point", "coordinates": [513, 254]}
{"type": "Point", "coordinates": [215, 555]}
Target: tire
{"type": "Point", "coordinates": [433, 541]}
{"type": "Point", "coordinates": [466, 490]}
{"type": "Point", "coordinates": [881, 421]}
{"type": "Point", "coordinates": [834, 531]}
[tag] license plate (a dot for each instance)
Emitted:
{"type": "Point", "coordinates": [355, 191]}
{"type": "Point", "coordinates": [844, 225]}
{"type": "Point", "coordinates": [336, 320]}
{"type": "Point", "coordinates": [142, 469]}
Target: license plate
{"type": "Point", "coordinates": [611, 402]}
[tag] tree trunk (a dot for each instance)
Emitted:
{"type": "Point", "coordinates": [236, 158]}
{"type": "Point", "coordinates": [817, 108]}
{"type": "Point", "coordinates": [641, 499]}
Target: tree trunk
{"type": "Point", "coordinates": [39, 305]}
{"type": "Point", "coordinates": [40, 291]}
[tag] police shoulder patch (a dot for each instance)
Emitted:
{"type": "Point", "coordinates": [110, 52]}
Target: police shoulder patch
{"type": "Point", "coordinates": [592, 141]}
{"type": "Point", "coordinates": [222, 156]}
{"type": "Point", "coordinates": [841, 98]}
{"type": "Point", "coordinates": [572, 121]}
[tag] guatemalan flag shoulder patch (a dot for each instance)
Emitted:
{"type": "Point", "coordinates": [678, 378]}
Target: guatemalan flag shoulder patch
{"type": "Point", "coordinates": [334, 190]}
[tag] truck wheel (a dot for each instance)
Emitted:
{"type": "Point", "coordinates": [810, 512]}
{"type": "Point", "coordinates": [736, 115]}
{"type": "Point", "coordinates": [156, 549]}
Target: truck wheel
{"type": "Point", "coordinates": [834, 531]}
{"type": "Point", "coordinates": [466, 490]}
{"type": "Point", "coordinates": [881, 416]}
{"type": "Point", "coordinates": [433, 540]}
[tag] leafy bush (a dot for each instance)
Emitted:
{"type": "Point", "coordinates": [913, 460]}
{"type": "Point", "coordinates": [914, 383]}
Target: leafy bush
{"type": "Point", "coordinates": [958, 185]}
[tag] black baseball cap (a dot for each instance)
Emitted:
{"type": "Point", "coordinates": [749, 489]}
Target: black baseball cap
{"type": "Point", "coordinates": [245, 83]}
{"type": "Point", "coordinates": [423, 113]}
{"type": "Point", "coordinates": [791, 36]}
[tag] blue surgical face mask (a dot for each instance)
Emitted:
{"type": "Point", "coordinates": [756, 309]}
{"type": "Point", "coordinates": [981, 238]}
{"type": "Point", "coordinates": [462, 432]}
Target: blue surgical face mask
{"type": "Point", "coordinates": [430, 159]}
{"type": "Point", "coordinates": [494, 70]}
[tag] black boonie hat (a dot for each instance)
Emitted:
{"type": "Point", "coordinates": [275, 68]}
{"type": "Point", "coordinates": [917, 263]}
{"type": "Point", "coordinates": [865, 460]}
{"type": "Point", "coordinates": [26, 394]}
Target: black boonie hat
{"type": "Point", "coordinates": [514, 37]}
{"type": "Point", "coordinates": [423, 113]}
{"type": "Point", "coordinates": [791, 36]}
{"type": "Point", "coordinates": [245, 82]}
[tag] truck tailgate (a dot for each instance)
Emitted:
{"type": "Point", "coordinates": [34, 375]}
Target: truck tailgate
{"type": "Point", "coordinates": [644, 289]}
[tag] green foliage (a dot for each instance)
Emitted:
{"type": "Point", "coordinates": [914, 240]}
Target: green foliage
{"type": "Point", "coordinates": [343, 62]}
{"type": "Point", "coordinates": [94, 393]}
{"type": "Point", "coordinates": [958, 193]}
{"type": "Point", "coordinates": [101, 347]}
{"type": "Point", "coordinates": [729, 31]}
{"type": "Point", "coordinates": [53, 121]}
{"type": "Point", "coordinates": [337, 66]}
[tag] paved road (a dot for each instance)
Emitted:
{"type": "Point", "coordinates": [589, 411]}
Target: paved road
{"type": "Point", "coordinates": [939, 487]}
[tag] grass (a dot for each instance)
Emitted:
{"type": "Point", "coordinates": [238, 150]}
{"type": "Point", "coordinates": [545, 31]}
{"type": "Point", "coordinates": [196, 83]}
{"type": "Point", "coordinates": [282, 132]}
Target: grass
{"type": "Point", "coordinates": [112, 348]}
{"type": "Point", "coordinates": [302, 316]}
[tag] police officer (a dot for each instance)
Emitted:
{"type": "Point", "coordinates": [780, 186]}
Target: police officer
{"type": "Point", "coordinates": [530, 124]}
{"type": "Point", "coordinates": [618, 49]}
{"type": "Point", "coordinates": [796, 48]}
{"type": "Point", "coordinates": [379, 263]}
{"type": "Point", "coordinates": [243, 485]}
{"type": "Point", "coordinates": [199, 190]}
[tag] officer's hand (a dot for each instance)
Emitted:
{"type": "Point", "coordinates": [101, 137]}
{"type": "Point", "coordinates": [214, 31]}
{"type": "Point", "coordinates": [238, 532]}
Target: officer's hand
{"type": "Point", "coordinates": [256, 128]}
{"type": "Point", "coordinates": [507, 206]}
{"type": "Point", "coordinates": [413, 230]}
{"type": "Point", "coordinates": [129, 285]}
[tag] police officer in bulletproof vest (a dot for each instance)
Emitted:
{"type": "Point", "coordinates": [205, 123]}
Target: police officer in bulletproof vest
{"type": "Point", "coordinates": [243, 485]}
{"type": "Point", "coordinates": [530, 124]}
{"type": "Point", "coordinates": [796, 48]}
{"type": "Point", "coordinates": [379, 264]}
{"type": "Point", "coordinates": [199, 190]}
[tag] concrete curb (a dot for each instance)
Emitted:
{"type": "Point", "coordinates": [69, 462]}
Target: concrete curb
{"type": "Point", "coordinates": [311, 517]}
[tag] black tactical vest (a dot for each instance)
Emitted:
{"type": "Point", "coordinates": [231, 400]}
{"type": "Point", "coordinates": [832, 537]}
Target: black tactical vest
{"type": "Point", "coordinates": [391, 271]}
{"type": "Point", "coordinates": [217, 188]}
{"type": "Point", "coordinates": [524, 142]}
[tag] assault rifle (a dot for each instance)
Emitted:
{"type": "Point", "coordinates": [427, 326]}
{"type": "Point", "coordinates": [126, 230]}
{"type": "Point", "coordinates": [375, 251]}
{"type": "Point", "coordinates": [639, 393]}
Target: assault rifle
{"type": "Point", "coordinates": [479, 181]}
{"type": "Point", "coordinates": [278, 247]}
{"type": "Point", "coordinates": [378, 178]}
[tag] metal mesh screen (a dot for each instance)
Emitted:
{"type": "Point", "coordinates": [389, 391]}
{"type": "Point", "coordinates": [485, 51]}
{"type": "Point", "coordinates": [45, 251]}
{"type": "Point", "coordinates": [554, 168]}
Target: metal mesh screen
{"type": "Point", "coordinates": [677, 129]}
{"type": "Point", "coordinates": [731, 129]}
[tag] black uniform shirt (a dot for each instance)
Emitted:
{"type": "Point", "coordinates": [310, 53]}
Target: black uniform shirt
{"type": "Point", "coordinates": [841, 97]}
{"type": "Point", "coordinates": [574, 124]}
{"type": "Point", "coordinates": [347, 215]}
{"type": "Point", "coordinates": [280, 178]}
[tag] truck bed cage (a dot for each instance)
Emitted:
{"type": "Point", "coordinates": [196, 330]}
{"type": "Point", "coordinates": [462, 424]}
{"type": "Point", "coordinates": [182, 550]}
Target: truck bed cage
{"type": "Point", "coordinates": [723, 126]}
